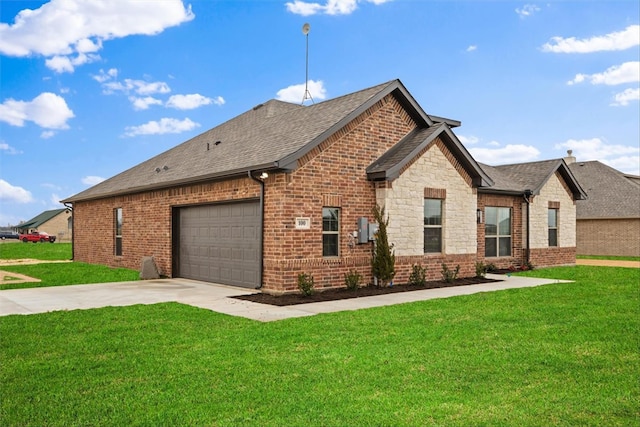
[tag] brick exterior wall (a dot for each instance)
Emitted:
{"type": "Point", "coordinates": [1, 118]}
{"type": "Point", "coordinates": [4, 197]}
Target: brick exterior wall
{"type": "Point", "coordinates": [518, 254]}
{"type": "Point", "coordinates": [613, 237]}
{"type": "Point", "coordinates": [147, 222]}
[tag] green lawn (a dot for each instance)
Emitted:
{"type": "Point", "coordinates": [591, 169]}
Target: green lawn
{"type": "Point", "coordinates": [561, 354]}
{"type": "Point", "coordinates": [73, 273]}
{"type": "Point", "coordinates": [43, 251]}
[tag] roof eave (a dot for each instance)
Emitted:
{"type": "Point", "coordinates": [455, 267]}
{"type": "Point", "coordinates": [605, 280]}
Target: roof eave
{"type": "Point", "coordinates": [268, 167]}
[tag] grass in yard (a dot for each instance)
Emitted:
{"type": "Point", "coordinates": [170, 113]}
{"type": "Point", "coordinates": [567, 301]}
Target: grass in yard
{"type": "Point", "coordinates": [562, 354]}
{"type": "Point", "coordinates": [42, 251]}
{"type": "Point", "coordinates": [73, 273]}
{"type": "Point", "coordinates": [615, 258]}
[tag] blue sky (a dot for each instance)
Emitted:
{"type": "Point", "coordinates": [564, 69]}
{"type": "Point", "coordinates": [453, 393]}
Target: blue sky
{"type": "Point", "coordinates": [91, 88]}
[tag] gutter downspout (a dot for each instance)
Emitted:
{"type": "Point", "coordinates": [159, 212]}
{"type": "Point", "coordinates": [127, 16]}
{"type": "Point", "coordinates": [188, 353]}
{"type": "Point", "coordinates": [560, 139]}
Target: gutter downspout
{"type": "Point", "coordinates": [527, 198]}
{"type": "Point", "coordinates": [73, 234]}
{"type": "Point", "coordinates": [261, 182]}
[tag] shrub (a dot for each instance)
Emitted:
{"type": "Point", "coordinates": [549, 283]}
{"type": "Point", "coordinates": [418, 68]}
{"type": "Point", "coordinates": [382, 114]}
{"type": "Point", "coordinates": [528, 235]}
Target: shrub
{"type": "Point", "coordinates": [305, 284]}
{"type": "Point", "coordinates": [491, 267]}
{"type": "Point", "coordinates": [481, 269]}
{"type": "Point", "coordinates": [418, 275]}
{"type": "Point", "coordinates": [352, 279]}
{"type": "Point", "coordinates": [449, 275]}
{"type": "Point", "coordinates": [383, 261]}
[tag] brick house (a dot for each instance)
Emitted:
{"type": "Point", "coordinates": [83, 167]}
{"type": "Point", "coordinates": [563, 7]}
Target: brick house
{"type": "Point", "coordinates": [284, 189]}
{"type": "Point", "coordinates": [55, 222]}
{"type": "Point", "coordinates": [608, 222]}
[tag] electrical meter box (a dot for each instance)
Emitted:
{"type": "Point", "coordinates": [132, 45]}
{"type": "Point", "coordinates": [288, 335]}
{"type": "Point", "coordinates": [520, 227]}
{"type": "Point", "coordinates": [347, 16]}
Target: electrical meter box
{"type": "Point", "coordinates": [363, 230]}
{"type": "Point", "coordinates": [373, 230]}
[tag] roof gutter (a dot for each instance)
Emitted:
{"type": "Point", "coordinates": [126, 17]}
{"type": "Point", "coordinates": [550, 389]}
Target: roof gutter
{"type": "Point", "coordinates": [73, 234]}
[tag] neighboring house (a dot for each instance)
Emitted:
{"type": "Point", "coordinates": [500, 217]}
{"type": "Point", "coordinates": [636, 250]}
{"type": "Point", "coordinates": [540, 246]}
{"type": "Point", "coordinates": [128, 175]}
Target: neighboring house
{"type": "Point", "coordinates": [284, 189]}
{"type": "Point", "coordinates": [608, 222]}
{"type": "Point", "coordinates": [56, 222]}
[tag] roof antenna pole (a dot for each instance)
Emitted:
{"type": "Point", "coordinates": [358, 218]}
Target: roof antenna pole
{"type": "Point", "coordinates": [307, 95]}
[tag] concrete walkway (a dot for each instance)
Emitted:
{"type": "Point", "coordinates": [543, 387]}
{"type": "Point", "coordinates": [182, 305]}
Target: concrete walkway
{"type": "Point", "coordinates": [217, 297]}
{"type": "Point", "coordinates": [608, 263]}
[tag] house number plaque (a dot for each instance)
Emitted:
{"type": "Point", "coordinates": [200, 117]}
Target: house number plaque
{"type": "Point", "coordinates": [303, 223]}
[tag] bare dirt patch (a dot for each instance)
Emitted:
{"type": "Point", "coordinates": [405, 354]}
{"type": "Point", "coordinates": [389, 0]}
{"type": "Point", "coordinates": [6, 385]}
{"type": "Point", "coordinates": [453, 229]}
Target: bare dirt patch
{"type": "Point", "coordinates": [28, 261]}
{"type": "Point", "coordinates": [608, 263]}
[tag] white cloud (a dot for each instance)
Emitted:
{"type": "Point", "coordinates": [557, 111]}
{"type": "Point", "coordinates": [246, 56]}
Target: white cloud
{"type": "Point", "coordinates": [67, 64]}
{"type": "Point", "coordinates": [144, 103]}
{"type": "Point", "coordinates": [330, 7]}
{"type": "Point", "coordinates": [295, 93]}
{"type": "Point", "coordinates": [7, 149]}
{"type": "Point", "coordinates": [104, 76]}
{"type": "Point", "coordinates": [92, 180]}
{"type": "Point", "coordinates": [47, 110]}
{"type": "Point", "coordinates": [191, 101]}
{"type": "Point", "coordinates": [12, 193]}
{"type": "Point", "coordinates": [55, 200]}
{"type": "Point", "coordinates": [621, 40]}
{"type": "Point", "coordinates": [511, 153]}
{"type": "Point", "coordinates": [140, 87]}
{"type": "Point", "coordinates": [76, 29]}
{"type": "Point", "coordinates": [628, 72]}
{"type": "Point", "coordinates": [527, 10]}
{"type": "Point", "coordinates": [623, 98]}
{"type": "Point", "coordinates": [472, 47]}
{"type": "Point", "coordinates": [47, 134]}
{"type": "Point", "coordinates": [165, 125]}
{"type": "Point", "coordinates": [468, 139]}
{"type": "Point", "coordinates": [625, 158]}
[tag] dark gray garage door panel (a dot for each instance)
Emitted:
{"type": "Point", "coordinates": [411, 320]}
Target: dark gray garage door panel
{"type": "Point", "coordinates": [220, 243]}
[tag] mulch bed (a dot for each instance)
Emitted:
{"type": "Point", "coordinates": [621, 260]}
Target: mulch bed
{"type": "Point", "coordinates": [338, 294]}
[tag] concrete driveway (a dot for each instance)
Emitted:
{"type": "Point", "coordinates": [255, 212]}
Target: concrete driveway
{"type": "Point", "coordinates": [216, 297]}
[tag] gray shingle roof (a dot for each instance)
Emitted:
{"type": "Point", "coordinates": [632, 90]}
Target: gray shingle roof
{"type": "Point", "coordinates": [611, 193]}
{"type": "Point", "coordinates": [517, 178]}
{"type": "Point", "coordinates": [272, 135]}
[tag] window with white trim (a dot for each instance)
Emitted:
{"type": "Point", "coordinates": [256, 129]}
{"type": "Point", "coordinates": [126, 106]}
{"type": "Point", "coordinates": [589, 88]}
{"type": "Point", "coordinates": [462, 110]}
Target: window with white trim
{"type": "Point", "coordinates": [497, 232]}
{"type": "Point", "coordinates": [330, 232]}
{"type": "Point", "coordinates": [553, 227]}
{"type": "Point", "coordinates": [433, 225]}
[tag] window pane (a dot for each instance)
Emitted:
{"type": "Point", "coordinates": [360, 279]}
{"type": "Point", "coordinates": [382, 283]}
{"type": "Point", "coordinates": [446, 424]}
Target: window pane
{"type": "Point", "coordinates": [490, 247]}
{"type": "Point", "coordinates": [118, 245]}
{"type": "Point", "coordinates": [118, 220]}
{"type": "Point", "coordinates": [553, 237]}
{"type": "Point", "coordinates": [432, 240]}
{"type": "Point", "coordinates": [329, 245]}
{"type": "Point", "coordinates": [504, 218]}
{"type": "Point", "coordinates": [553, 218]}
{"type": "Point", "coordinates": [490, 221]}
{"type": "Point", "coordinates": [329, 219]}
{"type": "Point", "coordinates": [504, 245]}
{"type": "Point", "coordinates": [432, 212]}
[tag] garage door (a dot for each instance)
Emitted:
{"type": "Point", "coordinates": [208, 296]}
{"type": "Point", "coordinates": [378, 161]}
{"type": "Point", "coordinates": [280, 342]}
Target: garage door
{"type": "Point", "coordinates": [220, 243]}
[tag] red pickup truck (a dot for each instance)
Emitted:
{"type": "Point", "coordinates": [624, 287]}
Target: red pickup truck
{"type": "Point", "coordinates": [37, 236]}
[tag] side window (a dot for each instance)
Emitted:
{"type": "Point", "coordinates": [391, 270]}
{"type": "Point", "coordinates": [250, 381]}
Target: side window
{"type": "Point", "coordinates": [432, 225]}
{"type": "Point", "coordinates": [497, 232]}
{"type": "Point", "coordinates": [553, 227]}
{"type": "Point", "coordinates": [117, 228]}
{"type": "Point", "coordinates": [330, 232]}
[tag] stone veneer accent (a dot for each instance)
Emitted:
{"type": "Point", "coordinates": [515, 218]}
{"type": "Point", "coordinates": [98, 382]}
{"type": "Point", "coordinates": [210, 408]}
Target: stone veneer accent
{"type": "Point", "coordinates": [431, 174]}
{"type": "Point", "coordinates": [554, 193]}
